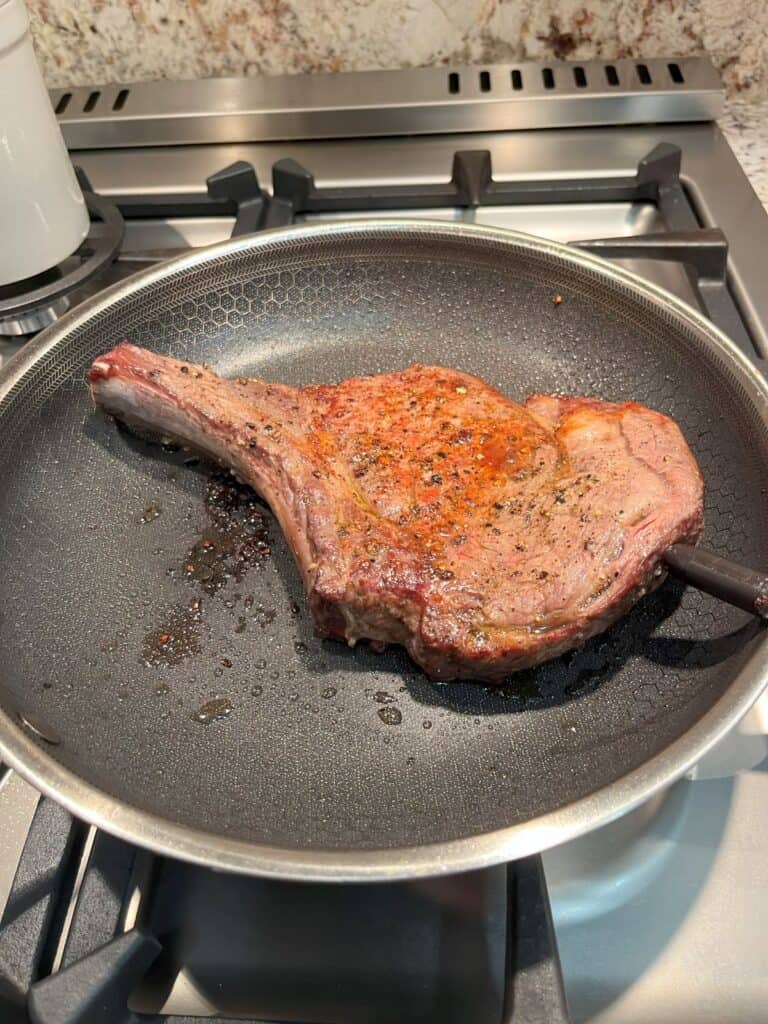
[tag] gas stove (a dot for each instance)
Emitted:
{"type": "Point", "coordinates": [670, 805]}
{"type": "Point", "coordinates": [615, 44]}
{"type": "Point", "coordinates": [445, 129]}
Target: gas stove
{"type": "Point", "coordinates": [624, 159]}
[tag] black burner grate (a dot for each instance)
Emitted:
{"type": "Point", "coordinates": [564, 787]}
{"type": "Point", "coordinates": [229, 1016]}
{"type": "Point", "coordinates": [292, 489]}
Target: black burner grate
{"type": "Point", "coordinates": [703, 252]}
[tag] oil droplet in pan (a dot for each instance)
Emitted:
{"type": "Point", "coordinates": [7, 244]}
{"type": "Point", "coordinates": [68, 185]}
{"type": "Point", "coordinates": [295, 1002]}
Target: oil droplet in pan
{"type": "Point", "coordinates": [390, 716]}
{"type": "Point", "coordinates": [213, 710]}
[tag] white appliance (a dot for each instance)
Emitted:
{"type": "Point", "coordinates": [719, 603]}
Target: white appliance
{"type": "Point", "coordinates": [43, 217]}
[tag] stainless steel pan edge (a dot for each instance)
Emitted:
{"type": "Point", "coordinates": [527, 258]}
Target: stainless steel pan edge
{"type": "Point", "coordinates": [23, 754]}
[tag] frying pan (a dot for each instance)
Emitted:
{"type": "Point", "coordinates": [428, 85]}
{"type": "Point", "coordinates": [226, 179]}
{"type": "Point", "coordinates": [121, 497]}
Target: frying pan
{"type": "Point", "coordinates": [226, 734]}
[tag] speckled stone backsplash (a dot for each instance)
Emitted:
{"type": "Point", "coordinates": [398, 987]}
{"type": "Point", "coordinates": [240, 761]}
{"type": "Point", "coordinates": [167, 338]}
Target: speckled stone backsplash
{"type": "Point", "coordinates": [82, 42]}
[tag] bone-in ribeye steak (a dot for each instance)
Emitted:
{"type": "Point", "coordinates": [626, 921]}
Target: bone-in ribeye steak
{"type": "Point", "coordinates": [426, 509]}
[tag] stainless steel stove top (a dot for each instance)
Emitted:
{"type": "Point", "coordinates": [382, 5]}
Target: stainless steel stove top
{"type": "Point", "coordinates": [661, 915]}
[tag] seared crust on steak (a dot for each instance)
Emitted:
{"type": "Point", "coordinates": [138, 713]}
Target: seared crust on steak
{"type": "Point", "coordinates": [425, 508]}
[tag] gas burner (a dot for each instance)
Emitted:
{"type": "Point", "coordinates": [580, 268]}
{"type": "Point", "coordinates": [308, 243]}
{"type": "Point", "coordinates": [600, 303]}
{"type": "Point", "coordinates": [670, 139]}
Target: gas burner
{"type": "Point", "coordinates": [28, 306]}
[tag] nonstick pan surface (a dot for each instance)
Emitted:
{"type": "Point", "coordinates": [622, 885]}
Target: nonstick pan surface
{"type": "Point", "coordinates": [225, 733]}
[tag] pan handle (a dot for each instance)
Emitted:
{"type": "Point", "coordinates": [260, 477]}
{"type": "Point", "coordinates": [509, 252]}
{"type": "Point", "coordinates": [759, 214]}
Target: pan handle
{"type": "Point", "coordinates": [725, 580]}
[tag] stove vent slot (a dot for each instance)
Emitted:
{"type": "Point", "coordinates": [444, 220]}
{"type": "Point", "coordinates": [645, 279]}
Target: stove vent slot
{"type": "Point", "coordinates": [548, 78]}
{"type": "Point", "coordinates": [676, 74]}
{"type": "Point", "coordinates": [63, 103]}
{"type": "Point", "coordinates": [517, 80]}
{"type": "Point", "coordinates": [485, 81]}
{"type": "Point", "coordinates": [580, 77]}
{"type": "Point", "coordinates": [120, 99]}
{"type": "Point", "coordinates": [644, 74]}
{"type": "Point", "coordinates": [91, 102]}
{"type": "Point", "coordinates": [454, 82]}
{"type": "Point", "coordinates": [611, 75]}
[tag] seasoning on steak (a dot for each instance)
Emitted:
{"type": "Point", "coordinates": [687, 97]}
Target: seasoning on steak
{"type": "Point", "coordinates": [426, 509]}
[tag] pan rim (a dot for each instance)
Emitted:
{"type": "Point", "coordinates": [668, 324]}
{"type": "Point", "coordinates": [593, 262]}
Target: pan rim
{"type": "Point", "coordinates": [165, 836]}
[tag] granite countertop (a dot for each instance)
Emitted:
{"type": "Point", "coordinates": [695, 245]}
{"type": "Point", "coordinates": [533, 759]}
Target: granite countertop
{"type": "Point", "coordinates": [745, 124]}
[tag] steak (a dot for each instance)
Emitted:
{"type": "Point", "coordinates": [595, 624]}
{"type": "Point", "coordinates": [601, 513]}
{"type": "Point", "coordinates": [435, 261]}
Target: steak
{"type": "Point", "coordinates": [424, 508]}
